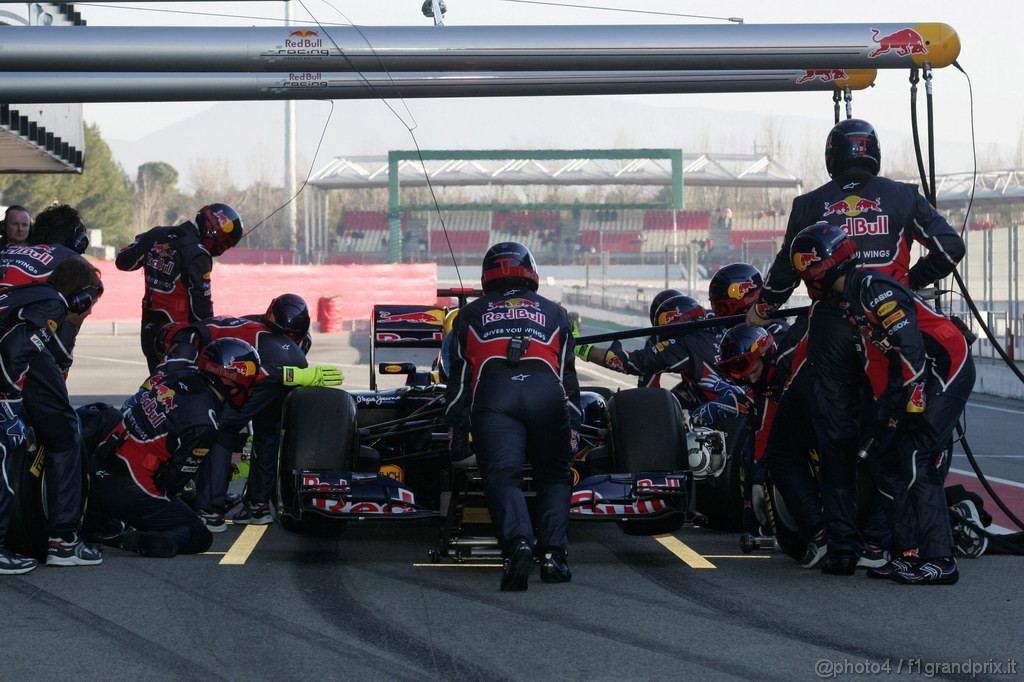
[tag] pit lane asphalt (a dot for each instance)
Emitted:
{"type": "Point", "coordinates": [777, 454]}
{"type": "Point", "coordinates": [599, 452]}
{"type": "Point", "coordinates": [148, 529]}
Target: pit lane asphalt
{"type": "Point", "coordinates": [364, 607]}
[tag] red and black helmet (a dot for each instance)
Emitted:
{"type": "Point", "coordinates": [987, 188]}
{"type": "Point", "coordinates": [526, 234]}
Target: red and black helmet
{"type": "Point", "coordinates": [852, 143]}
{"type": "Point", "coordinates": [220, 228]}
{"type": "Point", "coordinates": [290, 314]}
{"type": "Point", "coordinates": [672, 306]}
{"type": "Point", "coordinates": [820, 254]}
{"type": "Point", "coordinates": [232, 366]}
{"type": "Point", "coordinates": [734, 288]}
{"type": "Point", "coordinates": [740, 349]}
{"type": "Point", "coordinates": [508, 263]}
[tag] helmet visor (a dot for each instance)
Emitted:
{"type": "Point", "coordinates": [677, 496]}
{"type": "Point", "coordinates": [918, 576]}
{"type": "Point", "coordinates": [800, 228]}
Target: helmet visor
{"type": "Point", "coordinates": [739, 366]}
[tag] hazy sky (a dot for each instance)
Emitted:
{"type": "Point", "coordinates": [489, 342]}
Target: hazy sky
{"type": "Point", "coordinates": [988, 32]}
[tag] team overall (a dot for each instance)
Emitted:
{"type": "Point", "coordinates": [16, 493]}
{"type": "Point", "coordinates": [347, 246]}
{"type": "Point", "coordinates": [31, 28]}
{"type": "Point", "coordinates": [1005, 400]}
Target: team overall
{"type": "Point", "coordinates": [931, 367]}
{"type": "Point", "coordinates": [177, 270]}
{"type": "Point", "coordinates": [518, 402]}
{"type": "Point", "coordinates": [884, 218]}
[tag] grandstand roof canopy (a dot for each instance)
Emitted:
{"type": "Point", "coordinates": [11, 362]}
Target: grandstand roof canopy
{"type": "Point", "coordinates": [991, 188]}
{"type": "Point", "coordinates": [718, 170]}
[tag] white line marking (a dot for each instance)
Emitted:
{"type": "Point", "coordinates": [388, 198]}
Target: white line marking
{"type": "Point", "coordinates": [971, 474]}
{"type": "Point", "coordinates": [124, 362]}
{"type": "Point", "coordinates": [994, 409]}
{"type": "Point", "coordinates": [958, 454]}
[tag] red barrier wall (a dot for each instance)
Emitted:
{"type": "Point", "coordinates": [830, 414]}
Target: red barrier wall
{"type": "Point", "coordinates": [247, 289]}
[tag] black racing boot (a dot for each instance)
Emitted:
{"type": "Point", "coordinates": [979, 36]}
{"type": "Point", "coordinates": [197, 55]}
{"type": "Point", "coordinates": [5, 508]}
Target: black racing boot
{"type": "Point", "coordinates": [840, 563]}
{"type": "Point", "coordinates": [942, 571]}
{"type": "Point", "coordinates": [149, 543]}
{"type": "Point", "coordinates": [516, 569]}
{"type": "Point", "coordinates": [554, 568]}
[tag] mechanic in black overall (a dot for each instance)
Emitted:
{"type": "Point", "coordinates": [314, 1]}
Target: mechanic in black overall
{"type": "Point", "coordinates": [149, 449]}
{"type": "Point", "coordinates": [884, 218]}
{"type": "Point", "coordinates": [178, 262]}
{"type": "Point", "coordinates": [931, 375]}
{"type": "Point", "coordinates": [58, 234]}
{"type": "Point", "coordinates": [513, 385]}
{"type": "Point", "coordinates": [31, 382]}
{"type": "Point", "coordinates": [277, 336]}
{"type": "Point", "coordinates": [691, 354]}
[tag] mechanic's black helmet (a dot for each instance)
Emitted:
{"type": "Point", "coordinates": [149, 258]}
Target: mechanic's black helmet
{"type": "Point", "coordinates": [306, 343]}
{"type": "Point", "coordinates": [820, 254]}
{"type": "Point", "coordinates": [220, 227]}
{"type": "Point", "coordinates": [672, 306]}
{"type": "Point", "coordinates": [660, 298]}
{"type": "Point", "coordinates": [594, 407]}
{"type": "Point", "coordinates": [734, 288]}
{"type": "Point", "coordinates": [508, 262]}
{"type": "Point", "coordinates": [290, 314]}
{"type": "Point", "coordinates": [852, 143]}
{"type": "Point", "coordinates": [232, 366]}
{"type": "Point", "coordinates": [740, 348]}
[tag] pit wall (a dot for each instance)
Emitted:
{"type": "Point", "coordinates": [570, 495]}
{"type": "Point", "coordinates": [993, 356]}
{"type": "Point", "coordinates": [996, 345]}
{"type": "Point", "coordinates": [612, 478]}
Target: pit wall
{"type": "Point", "coordinates": [247, 289]}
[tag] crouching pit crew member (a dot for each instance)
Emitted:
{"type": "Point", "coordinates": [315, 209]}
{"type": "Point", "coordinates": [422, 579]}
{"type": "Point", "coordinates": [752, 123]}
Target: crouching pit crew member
{"type": "Point", "coordinates": [931, 375]}
{"type": "Point", "coordinates": [513, 385]}
{"type": "Point", "coordinates": [31, 383]}
{"type": "Point", "coordinates": [278, 336]}
{"type": "Point", "coordinates": [155, 445]}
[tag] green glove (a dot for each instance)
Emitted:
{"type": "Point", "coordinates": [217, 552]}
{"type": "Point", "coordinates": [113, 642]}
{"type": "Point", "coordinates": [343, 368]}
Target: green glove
{"type": "Point", "coordinates": [318, 375]}
{"type": "Point", "coordinates": [583, 352]}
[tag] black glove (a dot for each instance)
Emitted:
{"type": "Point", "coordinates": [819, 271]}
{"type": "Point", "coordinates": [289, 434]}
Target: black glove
{"type": "Point", "coordinates": [921, 432]}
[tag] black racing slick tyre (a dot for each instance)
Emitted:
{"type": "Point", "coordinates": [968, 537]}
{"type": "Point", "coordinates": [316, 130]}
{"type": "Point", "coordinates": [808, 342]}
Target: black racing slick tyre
{"type": "Point", "coordinates": [318, 431]}
{"type": "Point", "coordinates": [646, 436]}
{"type": "Point", "coordinates": [646, 429]}
{"type": "Point", "coordinates": [721, 498]}
{"type": "Point", "coordinates": [318, 434]}
{"type": "Point", "coordinates": [28, 532]}
{"type": "Point", "coordinates": [786, 536]}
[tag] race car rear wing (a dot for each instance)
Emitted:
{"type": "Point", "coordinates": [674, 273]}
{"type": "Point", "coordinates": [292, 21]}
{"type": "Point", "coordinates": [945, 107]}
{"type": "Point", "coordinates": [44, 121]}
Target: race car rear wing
{"type": "Point", "coordinates": [411, 326]}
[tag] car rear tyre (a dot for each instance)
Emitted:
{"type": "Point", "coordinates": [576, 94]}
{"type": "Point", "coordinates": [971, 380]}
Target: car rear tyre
{"type": "Point", "coordinates": [721, 498]}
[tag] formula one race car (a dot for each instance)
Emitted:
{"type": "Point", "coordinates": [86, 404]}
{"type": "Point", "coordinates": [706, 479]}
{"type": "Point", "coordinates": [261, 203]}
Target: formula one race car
{"type": "Point", "coordinates": [383, 453]}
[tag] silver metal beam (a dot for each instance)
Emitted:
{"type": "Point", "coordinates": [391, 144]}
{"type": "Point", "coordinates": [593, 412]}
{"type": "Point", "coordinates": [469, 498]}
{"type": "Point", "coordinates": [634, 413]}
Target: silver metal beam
{"type": "Point", "coordinates": [476, 48]}
{"type": "Point", "coordinates": [42, 87]}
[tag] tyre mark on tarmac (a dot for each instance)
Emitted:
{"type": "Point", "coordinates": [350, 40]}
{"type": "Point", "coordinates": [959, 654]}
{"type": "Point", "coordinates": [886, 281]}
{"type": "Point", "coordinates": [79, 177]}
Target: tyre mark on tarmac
{"type": "Point", "coordinates": [262, 623]}
{"type": "Point", "coordinates": [707, 594]}
{"type": "Point", "coordinates": [337, 604]}
{"type": "Point", "coordinates": [590, 628]}
{"type": "Point", "coordinates": [148, 650]}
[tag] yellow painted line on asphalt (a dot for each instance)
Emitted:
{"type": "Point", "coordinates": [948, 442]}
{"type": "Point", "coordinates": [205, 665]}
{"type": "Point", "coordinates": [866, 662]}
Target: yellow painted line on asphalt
{"type": "Point", "coordinates": [457, 565]}
{"type": "Point", "coordinates": [737, 556]}
{"type": "Point", "coordinates": [215, 553]}
{"type": "Point", "coordinates": [681, 550]}
{"type": "Point", "coordinates": [243, 546]}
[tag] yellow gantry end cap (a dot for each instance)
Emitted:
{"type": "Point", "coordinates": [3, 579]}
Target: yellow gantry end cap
{"type": "Point", "coordinates": [942, 44]}
{"type": "Point", "coordinates": [857, 79]}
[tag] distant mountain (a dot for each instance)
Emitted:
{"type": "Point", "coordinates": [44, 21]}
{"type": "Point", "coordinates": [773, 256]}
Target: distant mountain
{"type": "Point", "coordinates": [249, 135]}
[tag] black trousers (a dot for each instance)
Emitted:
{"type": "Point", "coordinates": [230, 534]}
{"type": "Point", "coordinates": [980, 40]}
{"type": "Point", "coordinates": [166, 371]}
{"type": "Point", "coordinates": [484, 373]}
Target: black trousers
{"type": "Point", "coordinates": [521, 415]}
{"type": "Point", "coordinates": [48, 411]}
{"type": "Point", "coordinates": [914, 480]}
